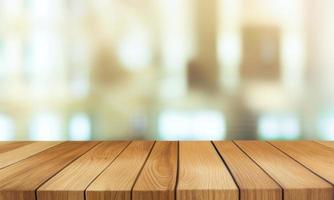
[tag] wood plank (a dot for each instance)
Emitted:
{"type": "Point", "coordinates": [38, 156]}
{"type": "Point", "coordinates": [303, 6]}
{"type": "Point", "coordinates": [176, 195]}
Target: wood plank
{"type": "Point", "coordinates": [70, 183]}
{"type": "Point", "coordinates": [4, 142]}
{"type": "Point", "coordinates": [158, 178]}
{"type": "Point", "coordinates": [202, 174]}
{"type": "Point", "coordinates": [327, 143]}
{"type": "Point", "coordinates": [298, 182]}
{"type": "Point", "coordinates": [8, 146]}
{"type": "Point", "coordinates": [253, 182]}
{"type": "Point", "coordinates": [20, 153]}
{"type": "Point", "coordinates": [314, 156]}
{"type": "Point", "coordinates": [116, 182]}
{"type": "Point", "coordinates": [20, 180]}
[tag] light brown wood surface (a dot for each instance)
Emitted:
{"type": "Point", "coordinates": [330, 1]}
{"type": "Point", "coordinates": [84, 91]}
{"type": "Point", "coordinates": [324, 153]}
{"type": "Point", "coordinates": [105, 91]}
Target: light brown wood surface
{"type": "Point", "coordinates": [148, 170]}
{"type": "Point", "coordinates": [71, 183]}
{"type": "Point", "coordinates": [117, 181]}
{"type": "Point", "coordinates": [253, 182]}
{"type": "Point", "coordinates": [202, 174]}
{"type": "Point", "coordinates": [157, 180]}
{"type": "Point", "coordinates": [314, 156]}
{"type": "Point", "coordinates": [20, 153]}
{"type": "Point", "coordinates": [327, 143]}
{"type": "Point", "coordinates": [7, 146]}
{"type": "Point", "coordinates": [298, 182]}
{"type": "Point", "coordinates": [20, 180]}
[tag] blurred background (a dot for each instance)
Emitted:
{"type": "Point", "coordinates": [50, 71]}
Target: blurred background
{"type": "Point", "coordinates": [166, 69]}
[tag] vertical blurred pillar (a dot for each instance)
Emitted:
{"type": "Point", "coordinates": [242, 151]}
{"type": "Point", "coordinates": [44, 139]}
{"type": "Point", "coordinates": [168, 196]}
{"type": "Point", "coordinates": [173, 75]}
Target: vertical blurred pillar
{"type": "Point", "coordinates": [46, 65]}
{"type": "Point", "coordinates": [205, 66]}
{"type": "Point", "coordinates": [176, 35]}
{"type": "Point", "coordinates": [229, 43]}
{"type": "Point", "coordinates": [320, 67]}
{"type": "Point", "coordinates": [293, 46]}
{"type": "Point", "coordinates": [11, 38]}
{"type": "Point", "coordinates": [320, 29]}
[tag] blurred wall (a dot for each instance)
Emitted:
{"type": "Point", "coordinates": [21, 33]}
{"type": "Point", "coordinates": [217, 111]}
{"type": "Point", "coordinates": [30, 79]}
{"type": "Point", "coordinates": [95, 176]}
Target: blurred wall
{"type": "Point", "coordinates": [166, 69]}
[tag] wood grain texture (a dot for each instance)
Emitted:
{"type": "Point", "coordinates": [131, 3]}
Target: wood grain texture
{"type": "Point", "coordinates": [145, 170]}
{"type": "Point", "coordinates": [116, 182]}
{"type": "Point", "coordinates": [253, 182]}
{"type": "Point", "coordinates": [8, 146]}
{"type": "Point", "coordinates": [70, 183]}
{"type": "Point", "coordinates": [327, 143]}
{"type": "Point", "coordinates": [20, 180]}
{"type": "Point", "coordinates": [23, 152]}
{"type": "Point", "coordinates": [297, 181]}
{"type": "Point", "coordinates": [314, 156]}
{"type": "Point", "coordinates": [157, 180]}
{"type": "Point", "coordinates": [202, 174]}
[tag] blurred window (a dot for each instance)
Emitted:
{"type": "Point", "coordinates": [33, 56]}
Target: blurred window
{"type": "Point", "coordinates": [46, 126]}
{"type": "Point", "coordinates": [273, 127]}
{"type": "Point", "coordinates": [204, 124]}
{"type": "Point", "coordinates": [80, 127]}
{"type": "Point", "coordinates": [45, 61]}
{"type": "Point", "coordinates": [6, 127]}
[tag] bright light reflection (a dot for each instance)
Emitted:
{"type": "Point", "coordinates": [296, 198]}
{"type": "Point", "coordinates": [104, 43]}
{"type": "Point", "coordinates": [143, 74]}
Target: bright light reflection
{"type": "Point", "coordinates": [135, 51]}
{"type": "Point", "coordinates": [326, 127]}
{"type": "Point", "coordinates": [47, 11]}
{"type": "Point", "coordinates": [273, 127]}
{"type": "Point", "coordinates": [11, 56]}
{"type": "Point", "coordinates": [11, 8]}
{"type": "Point", "coordinates": [46, 126]}
{"type": "Point", "coordinates": [229, 50]}
{"type": "Point", "coordinates": [80, 127]}
{"type": "Point", "coordinates": [46, 62]}
{"type": "Point", "coordinates": [206, 124]}
{"type": "Point", "coordinates": [6, 128]}
{"type": "Point", "coordinates": [173, 87]}
{"type": "Point", "coordinates": [293, 58]}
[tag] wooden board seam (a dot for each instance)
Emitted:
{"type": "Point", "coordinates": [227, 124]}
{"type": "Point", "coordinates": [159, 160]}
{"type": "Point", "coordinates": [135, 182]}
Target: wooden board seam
{"type": "Point", "coordinates": [12, 145]}
{"type": "Point", "coordinates": [294, 154]}
{"type": "Point", "coordinates": [301, 164]}
{"type": "Point", "coordinates": [106, 168]}
{"type": "Point", "coordinates": [202, 174]}
{"type": "Point", "coordinates": [317, 142]}
{"type": "Point", "coordinates": [37, 188]}
{"type": "Point", "coordinates": [282, 190]}
{"type": "Point", "coordinates": [142, 167]}
{"type": "Point", "coordinates": [227, 167]}
{"type": "Point", "coordinates": [28, 156]}
{"type": "Point", "coordinates": [177, 169]}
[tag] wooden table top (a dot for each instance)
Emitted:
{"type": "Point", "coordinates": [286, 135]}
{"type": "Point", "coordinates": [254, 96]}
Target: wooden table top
{"type": "Point", "coordinates": [157, 170]}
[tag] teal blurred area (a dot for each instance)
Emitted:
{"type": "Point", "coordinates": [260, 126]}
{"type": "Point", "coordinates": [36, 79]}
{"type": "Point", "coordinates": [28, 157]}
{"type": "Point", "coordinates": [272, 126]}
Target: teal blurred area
{"type": "Point", "coordinates": [166, 69]}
